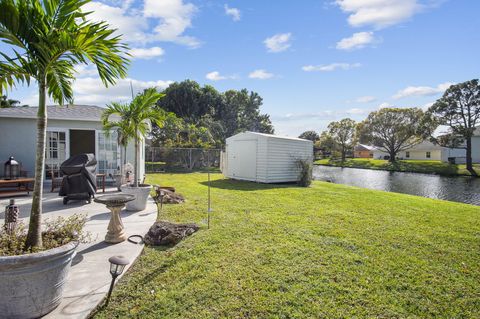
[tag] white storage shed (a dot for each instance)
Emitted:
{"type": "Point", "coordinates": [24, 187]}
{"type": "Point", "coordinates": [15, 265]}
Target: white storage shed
{"type": "Point", "coordinates": [264, 158]}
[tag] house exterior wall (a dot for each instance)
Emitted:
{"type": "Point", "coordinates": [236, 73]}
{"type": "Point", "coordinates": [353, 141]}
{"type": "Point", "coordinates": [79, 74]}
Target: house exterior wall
{"type": "Point", "coordinates": [362, 154]}
{"type": "Point", "coordinates": [18, 138]}
{"type": "Point", "coordinates": [435, 155]}
{"type": "Point", "coordinates": [476, 149]}
{"type": "Point", "coordinates": [271, 159]}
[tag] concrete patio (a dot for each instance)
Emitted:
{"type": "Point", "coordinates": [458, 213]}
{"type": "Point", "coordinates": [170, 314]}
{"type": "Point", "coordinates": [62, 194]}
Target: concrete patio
{"type": "Point", "coordinates": [89, 276]}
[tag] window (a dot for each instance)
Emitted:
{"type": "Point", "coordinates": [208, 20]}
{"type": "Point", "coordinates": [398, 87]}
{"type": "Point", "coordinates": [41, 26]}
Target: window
{"type": "Point", "coordinates": [428, 154]}
{"type": "Point", "coordinates": [407, 154]}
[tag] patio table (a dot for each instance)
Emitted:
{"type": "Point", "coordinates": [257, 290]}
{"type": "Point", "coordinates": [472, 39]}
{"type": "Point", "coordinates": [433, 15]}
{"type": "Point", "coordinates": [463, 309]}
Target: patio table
{"type": "Point", "coordinates": [14, 186]}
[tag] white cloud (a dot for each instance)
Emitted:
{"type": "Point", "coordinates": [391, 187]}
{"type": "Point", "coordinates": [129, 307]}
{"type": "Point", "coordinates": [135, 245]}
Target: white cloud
{"type": "Point", "coordinates": [175, 17]}
{"type": "Point", "coordinates": [422, 90]}
{"type": "Point", "coordinates": [357, 111]}
{"type": "Point", "coordinates": [378, 13]}
{"type": "Point", "coordinates": [131, 25]}
{"type": "Point", "coordinates": [384, 105]}
{"type": "Point", "coordinates": [278, 43]}
{"type": "Point", "coordinates": [216, 76]}
{"type": "Point", "coordinates": [146, 53]}
{"type": "Point", "coordinates": [330, 67]}
{"type": "Point", "coordinates": [171, 18]}
{"type": "Point", "coordinates": [365, 99]}
{"type": "Point", "coordinates": [233, 12]}
{"type": "Point", "coordinates": [90, 90]}
{"type": "Point", "coordinates": [260, 74]}
{"type": "Point", "coordinates": [357, 41]}
{"type": "Point", "coordinates": [84, 70]}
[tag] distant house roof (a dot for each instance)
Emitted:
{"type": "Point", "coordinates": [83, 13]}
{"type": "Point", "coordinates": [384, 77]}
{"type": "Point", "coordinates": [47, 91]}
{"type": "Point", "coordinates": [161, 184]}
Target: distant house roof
{"type": "Point", "coordinates": [55, 112]}
{"type": "Point", "coordinates": [363, 147]}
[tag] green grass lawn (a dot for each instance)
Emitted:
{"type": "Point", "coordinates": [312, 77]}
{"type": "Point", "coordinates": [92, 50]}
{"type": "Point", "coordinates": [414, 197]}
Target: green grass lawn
{"type": "Point", "coordinates": [328, 251]}
{"type": "Point", "coordinates": [416, 166]}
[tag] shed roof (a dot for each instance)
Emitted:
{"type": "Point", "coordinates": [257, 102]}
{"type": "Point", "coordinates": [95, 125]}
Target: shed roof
{"type": "Point", "coordinates": [271, 136]}
{"type": "Point", "coordinates": [56, 112]}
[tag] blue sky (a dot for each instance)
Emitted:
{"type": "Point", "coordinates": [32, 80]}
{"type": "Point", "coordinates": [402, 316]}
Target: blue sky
{"type": "Point", "coordinates": [312, 61]}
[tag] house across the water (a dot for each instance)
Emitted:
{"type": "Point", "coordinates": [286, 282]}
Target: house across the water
{"type": "Point", "coordinates": [363, 151]}
{"type": "Point", "coordinates": [71, 130]}
{"type": "Point", "coordinates": [426, 150]}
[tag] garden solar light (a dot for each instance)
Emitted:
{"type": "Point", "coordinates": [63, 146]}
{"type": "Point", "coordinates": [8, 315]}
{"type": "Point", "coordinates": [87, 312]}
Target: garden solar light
{"type": "Point", "coordinates": [117, 265]}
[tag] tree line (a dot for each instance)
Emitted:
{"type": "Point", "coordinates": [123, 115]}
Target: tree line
{"type": "Point", "coordinates": [394, 129]}
{"type": "Point", "coordinates": [204, 117]}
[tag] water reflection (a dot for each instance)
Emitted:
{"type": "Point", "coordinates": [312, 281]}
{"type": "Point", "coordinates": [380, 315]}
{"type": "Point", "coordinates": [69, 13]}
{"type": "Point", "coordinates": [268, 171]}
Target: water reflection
{"type": "Point", "coordinates": [458, 189]}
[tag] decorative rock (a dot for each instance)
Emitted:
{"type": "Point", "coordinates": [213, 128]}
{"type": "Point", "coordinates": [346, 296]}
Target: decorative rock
{"type": "Point", "coordinates": [167, 195]}
{"type": "Point", "coordinates": [163, 233]}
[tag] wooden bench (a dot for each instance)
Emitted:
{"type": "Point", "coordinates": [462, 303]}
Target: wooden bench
{"type": "Point", "coordinates": [15, 186]}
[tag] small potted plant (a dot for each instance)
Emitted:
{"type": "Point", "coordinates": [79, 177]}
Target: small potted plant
{"type": "Point", "coordinates": [135, 123]}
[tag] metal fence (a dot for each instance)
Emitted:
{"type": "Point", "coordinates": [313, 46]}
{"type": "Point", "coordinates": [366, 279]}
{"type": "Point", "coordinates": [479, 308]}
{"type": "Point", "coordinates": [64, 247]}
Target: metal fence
{"type": "Point", "coordinates": [164, 159]}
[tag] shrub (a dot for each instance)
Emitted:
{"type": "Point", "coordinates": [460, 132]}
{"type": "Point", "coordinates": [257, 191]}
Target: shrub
{"type": "Point", "coordinates": [305, 176]}
{"type": "Point", "coordinates": [58, 232]}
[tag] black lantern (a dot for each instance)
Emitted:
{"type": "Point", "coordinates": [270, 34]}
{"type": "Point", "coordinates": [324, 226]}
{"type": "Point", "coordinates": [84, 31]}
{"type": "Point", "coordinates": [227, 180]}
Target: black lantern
{"type": "Point", "coordinates": [11, 169]}
{"type": "Point", "coordinates": [117, 265]}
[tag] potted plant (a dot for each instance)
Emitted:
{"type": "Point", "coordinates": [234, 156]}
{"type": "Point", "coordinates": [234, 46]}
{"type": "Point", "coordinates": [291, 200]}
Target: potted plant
{"type": "Point", "coordinates": [48, 38]}
{"type": "Point", "coordinates": [134, 120]}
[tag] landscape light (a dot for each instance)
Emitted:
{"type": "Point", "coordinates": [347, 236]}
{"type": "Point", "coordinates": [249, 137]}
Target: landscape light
{"type": "Point", "coordinates": [117, 265]}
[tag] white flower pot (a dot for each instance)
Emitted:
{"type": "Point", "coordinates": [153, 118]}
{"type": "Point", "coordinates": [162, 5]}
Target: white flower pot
{"type": "Point", "coordinates": [141, 194]}
{"type": "Point", "coordinates": [32, 285]}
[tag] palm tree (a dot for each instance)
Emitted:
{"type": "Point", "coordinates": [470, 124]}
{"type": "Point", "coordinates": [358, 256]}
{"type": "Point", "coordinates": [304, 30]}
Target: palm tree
{"type": "Point", "coordinates": [6, 103]}
{"type": "Point", "coordinates": [48, 38]}
{"type": "Point", "coordinates": [135, 119]}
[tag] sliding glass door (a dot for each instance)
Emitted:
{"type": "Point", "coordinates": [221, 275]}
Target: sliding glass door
{"type": "Point", "coordinates": [108, 155]}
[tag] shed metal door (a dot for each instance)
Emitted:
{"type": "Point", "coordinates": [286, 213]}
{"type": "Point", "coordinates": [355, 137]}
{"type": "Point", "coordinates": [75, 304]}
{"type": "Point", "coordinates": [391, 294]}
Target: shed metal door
{"type": "Point", "coordinates": [243, 159]}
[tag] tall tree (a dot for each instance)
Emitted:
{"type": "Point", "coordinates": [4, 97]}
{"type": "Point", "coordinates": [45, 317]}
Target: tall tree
{"type": "Point", "coordinates": [187, 100]}
{"type": "Point", "coordinates": [223, 114]}
{"type": "Point", "coordinates": [342, 133]}
{"type": "Point", "coordinates": [325, 144]}
{"type": "Point", "coordinates": [5, 102]}
{"type": "Point", "coordinates": [459, 108]}
{"type": "Point", "coordinates": [48, 38]}
{"type": "Point", "coordinates": [392, 129]}
{"type": "Point", "coordinates": [310, 135]}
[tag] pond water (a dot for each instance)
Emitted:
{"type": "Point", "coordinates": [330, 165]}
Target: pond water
{"type": "Point", "coordinates": [457, 189]}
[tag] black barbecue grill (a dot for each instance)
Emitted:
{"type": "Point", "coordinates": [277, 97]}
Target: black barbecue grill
{"type": "Point", "coordinates": [79, 178]}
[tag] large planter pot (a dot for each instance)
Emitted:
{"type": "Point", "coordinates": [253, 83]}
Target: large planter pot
{"type": "Point", "coordinates": [141, 196]}
{"type": "Point", "coordinates": [32, 285]}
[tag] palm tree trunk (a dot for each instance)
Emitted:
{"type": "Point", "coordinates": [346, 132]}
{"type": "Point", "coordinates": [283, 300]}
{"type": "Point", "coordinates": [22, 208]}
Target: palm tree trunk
{"type": "Point", "coordinates": [34, 236]}
{"type": "Point", "coordinates": [137, 155]}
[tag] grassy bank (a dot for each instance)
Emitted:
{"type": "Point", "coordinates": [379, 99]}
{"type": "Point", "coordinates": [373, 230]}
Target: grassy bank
{"type": "Point", "coordinates": [328, 251]}
{"type": "Point", "coordinates": [415, 166]}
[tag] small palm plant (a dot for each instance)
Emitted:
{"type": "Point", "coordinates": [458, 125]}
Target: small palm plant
{"type": "Point", "coordinates": [48, 38]}
{"type": "Point", "coordinates": [135, 120]}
